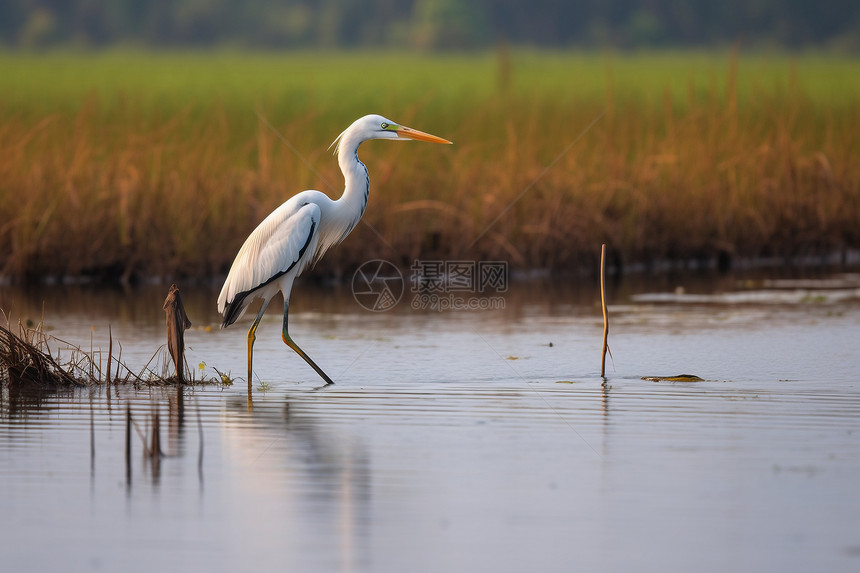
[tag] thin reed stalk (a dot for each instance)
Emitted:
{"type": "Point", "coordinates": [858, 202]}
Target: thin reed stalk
{"type": "Point", "coordinates": [603, 307]}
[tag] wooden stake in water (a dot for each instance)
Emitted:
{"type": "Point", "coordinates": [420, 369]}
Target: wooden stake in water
{"type": "Point", "coordinates": [177, 323]}
{"type": "Point", "coordinates": [603, 305]}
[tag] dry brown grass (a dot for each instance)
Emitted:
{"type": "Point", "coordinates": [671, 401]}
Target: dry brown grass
{"type": "Point", "coordinates": [120, 185]}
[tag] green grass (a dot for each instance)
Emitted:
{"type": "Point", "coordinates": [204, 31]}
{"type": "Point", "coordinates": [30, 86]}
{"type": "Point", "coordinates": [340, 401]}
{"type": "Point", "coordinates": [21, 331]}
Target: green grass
{"type": "Point", "coordinates": [134, 164]}
{"type": "Point", "coordinates": [321, 80]}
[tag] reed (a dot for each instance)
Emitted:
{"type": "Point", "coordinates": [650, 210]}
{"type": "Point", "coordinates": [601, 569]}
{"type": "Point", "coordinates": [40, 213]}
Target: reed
{"type": "Point", "coordinates": [25, 360]}
{"type": "Point", "coordinates": [605, 345]}
{"type": "Point", "coordinates": [124, 165]}
{"type": "Point", "coordinates": [28, 360]}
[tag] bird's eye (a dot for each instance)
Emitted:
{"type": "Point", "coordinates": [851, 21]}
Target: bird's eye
{"type": "Point", "coordinates": [384, 125]}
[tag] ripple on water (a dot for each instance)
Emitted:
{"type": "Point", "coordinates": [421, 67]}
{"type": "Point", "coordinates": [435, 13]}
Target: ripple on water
{"type": "Point", "coordinates": [451, 443]}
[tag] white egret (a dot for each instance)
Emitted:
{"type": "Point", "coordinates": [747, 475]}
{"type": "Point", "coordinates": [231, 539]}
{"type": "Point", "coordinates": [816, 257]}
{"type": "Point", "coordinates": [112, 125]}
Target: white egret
{"type": "Point", "coordinates": [300, 231]}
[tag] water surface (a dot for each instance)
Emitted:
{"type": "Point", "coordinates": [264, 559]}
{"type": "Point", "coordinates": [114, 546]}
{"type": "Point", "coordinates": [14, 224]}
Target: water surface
{"type": "Point", "coordinates": [453, 441]}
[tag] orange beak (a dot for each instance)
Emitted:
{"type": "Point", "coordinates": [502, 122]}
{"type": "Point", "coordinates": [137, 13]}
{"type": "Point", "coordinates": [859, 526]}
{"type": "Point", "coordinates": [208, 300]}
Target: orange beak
{"type": "Point", "coordinates": [410, 133]}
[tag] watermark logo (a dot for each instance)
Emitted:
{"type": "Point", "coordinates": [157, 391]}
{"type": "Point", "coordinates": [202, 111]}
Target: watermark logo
{"type": "Point", "coordinates": [377, 285]}
{"type": "Point", "coordinates": [459, 276]}
{"type": "Point", "coordinates": [437, 285]}
{"type": "Point", "coordinates": [458, 285]}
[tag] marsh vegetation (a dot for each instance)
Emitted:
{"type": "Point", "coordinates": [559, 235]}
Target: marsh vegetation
{"type": "Point", "coordinates": [123, 165]}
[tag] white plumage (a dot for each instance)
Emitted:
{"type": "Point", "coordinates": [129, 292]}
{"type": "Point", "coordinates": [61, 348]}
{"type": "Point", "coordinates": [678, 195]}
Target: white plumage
{"type": "Point", "coordinates": [276, 252]}
{"type": "Point", "coordinates": [301, 230]}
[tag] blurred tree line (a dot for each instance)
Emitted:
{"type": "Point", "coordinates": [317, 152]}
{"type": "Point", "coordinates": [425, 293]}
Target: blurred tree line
{"type": "Point", "coordinates": [431, 24]}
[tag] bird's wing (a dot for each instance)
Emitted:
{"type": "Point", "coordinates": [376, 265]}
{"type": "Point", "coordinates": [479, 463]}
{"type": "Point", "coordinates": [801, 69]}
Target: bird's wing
{"type": "Point", "coordinates": [285, 241]}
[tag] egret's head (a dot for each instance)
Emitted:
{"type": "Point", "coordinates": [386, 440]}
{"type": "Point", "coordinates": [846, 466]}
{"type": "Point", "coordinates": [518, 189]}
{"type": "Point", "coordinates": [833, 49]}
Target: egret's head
{"type": "Point", "coordinates": [377, 127]}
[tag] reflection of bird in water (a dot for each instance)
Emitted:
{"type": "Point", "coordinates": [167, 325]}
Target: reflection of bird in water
{"type": "Point", "coordinates": [300, 231]}
{"type": "Point", "coordinates": [316, 475]}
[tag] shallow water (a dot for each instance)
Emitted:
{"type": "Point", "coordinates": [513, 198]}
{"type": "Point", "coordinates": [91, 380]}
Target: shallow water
{"type": "Point", "coordinates": [480, 440]}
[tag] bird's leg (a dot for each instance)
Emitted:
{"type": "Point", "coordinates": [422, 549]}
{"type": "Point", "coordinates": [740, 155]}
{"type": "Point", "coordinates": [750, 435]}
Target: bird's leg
{"type": "Point", "coordinates": [289, 342]}
{"type": "Point", "coordinates": [251, 338]}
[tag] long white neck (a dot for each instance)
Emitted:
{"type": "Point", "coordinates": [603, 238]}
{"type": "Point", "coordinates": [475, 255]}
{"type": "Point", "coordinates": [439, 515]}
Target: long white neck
{"type": "Point", "coordinates": [350, 207]}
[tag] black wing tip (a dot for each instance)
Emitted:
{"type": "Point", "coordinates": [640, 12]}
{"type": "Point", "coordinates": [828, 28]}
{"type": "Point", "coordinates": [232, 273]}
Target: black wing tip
{"type": "Point", "coordinates": [234, 309]}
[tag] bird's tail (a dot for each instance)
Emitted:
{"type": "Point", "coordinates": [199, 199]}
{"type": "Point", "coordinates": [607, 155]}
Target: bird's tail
{"type": "Point", "coordinates": [235, 309]}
